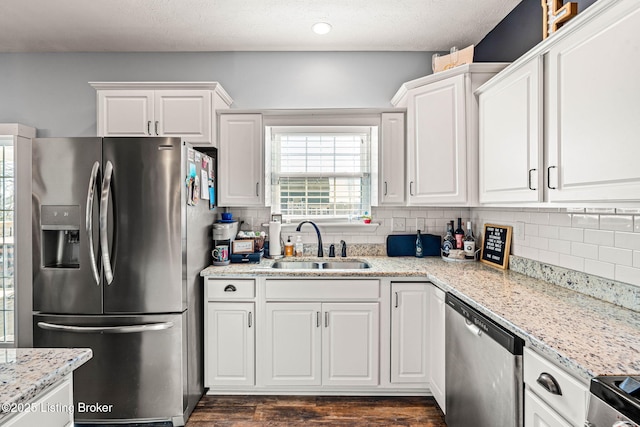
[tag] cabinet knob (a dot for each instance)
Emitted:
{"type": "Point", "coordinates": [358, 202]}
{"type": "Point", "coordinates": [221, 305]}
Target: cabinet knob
{"type": "Point", "coordinates": [229, 288]}
{"type": "Point", "coordinates": [549, 383]}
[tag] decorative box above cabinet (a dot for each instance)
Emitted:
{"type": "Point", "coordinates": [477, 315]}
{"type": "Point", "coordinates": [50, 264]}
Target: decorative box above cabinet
{"type": "Point", "coordinates": [442, 134]}
{"type": "Point", "coordinates": [183, 109]}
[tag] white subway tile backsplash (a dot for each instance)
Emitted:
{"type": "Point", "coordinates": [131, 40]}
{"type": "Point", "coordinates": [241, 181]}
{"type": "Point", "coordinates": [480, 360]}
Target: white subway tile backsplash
{"type": "Point", "coordinates": [528, 252]}
{"type": "Point", "coordinates": [628, 274]}
{"type": "Point", "coordinates": [435, 214]}
{"type": "Point", "coordinates": [627, 240]}
{"type": "Point", "coordinates": [560, 219]}
{"type": "Point", "coordinates": [560, 246]}
{"type": "Point", "coordinates": [571, 262]}
{"type": "Point", "coordinates": [615, 255]}
{"type": "Point", "coordinates": [538, 242]}
{"type": "Point", "coordinates": [584, 250]}
{"type": "Point", "coordinates": [616, 222]}
{"type": "Point", "coordinates": [571, 234]}
{"type": "Point", "coordinates": [636, 259]}
{"type": "Point", "coordinates": [549, 231]}
{"type": "Point", "coordinates": [599, 268]}
{"type": "Point", "coordinates": [599, 237]}
{"type": "Point", "coordinates": [636, 223]}
{"type": "Point", "coordinates": [540, 217]}
{"type": "Point", "coordinates": [549, 257]}
{"type": "Point", "coordinates": [531, 229]}
{"type": "Point", "coordinates": [523, 216]}
{"type": "Point", "coordinates": [585, 221]}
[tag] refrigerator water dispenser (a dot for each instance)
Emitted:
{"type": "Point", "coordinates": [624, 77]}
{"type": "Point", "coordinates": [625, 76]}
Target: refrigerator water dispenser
{"type": "Point", "coordinates": [60, 227]}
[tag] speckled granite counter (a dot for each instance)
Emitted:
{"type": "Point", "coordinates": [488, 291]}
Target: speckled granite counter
{"type": "Point", "coordinates": [587, 336]}
{"type": "Point", "coordinates": [27, 372]}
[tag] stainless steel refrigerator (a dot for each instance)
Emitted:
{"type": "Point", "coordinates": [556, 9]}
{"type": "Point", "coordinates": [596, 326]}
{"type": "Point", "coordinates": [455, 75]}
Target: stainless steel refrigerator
{"type": "Point", "coordinates": [117, 252]}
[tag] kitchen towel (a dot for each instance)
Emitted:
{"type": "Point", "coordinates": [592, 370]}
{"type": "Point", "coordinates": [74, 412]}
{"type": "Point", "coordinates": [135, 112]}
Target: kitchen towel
{"type": "Point", "coordinates": [274, 238]}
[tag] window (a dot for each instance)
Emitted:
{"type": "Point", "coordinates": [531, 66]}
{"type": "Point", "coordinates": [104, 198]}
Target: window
{"type": "Point", "coordinates": [320, 172]}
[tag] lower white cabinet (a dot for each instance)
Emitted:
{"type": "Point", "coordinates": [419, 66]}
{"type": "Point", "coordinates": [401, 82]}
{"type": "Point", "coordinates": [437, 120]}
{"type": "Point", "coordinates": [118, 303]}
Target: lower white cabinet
{"type": "Point", "coordinates": [437, 358]}
{"type": "Point", "coordinates": [322, 344]}
{"type": "Point", "coordinates": [54, 408]}
{"type": "Point", "coordinates": [555, 397]}
{"type": "Point", "coordinates": [230, 348]}
{"type": "Point", "coordinates": [410, 332]}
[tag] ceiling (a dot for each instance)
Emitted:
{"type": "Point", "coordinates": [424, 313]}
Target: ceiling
{"type": "Point", "coordinates": [245, 25]}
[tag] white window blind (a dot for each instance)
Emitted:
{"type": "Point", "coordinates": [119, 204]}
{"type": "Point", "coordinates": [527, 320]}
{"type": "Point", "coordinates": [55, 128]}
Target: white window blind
{"type": "Point", "coordinates": [321, 173]}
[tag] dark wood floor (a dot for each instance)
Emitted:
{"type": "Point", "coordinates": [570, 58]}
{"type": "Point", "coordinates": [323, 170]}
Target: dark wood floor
{"type": "Point", "coordinates": [252, 411]}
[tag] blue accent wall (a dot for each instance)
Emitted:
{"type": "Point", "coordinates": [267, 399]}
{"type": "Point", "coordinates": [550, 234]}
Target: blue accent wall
{"type": "Point", "coordinates": [517, 33]}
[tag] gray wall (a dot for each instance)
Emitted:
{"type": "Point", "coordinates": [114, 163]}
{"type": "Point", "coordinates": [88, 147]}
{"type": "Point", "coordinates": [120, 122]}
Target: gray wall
{"type": "Point", "coordinates": [50, 91]}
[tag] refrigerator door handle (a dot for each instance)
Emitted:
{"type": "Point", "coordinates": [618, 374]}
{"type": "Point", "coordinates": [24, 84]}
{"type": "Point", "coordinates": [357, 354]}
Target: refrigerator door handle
{"type": "Point", "coordinates": [104, 237]}
{"type": "Point", "coordinates": [106, 329]}
{"type": "Point", "coordinates": [89, 220]}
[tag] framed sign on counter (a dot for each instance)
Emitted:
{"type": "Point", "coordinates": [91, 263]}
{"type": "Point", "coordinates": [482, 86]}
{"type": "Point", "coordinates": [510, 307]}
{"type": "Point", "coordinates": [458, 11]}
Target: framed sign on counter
{"type": "Point", "coordinates": [496, 245]}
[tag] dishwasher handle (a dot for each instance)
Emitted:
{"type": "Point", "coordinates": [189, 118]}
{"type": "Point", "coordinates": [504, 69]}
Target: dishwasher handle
{"type": "Point", "coordinates": [475, 330]}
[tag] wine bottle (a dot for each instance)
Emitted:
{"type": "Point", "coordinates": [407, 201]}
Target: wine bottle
{"type": "Point", "coordinates": [419, 251]}
{"type": "Point", "coordinates": [469, 243]}
{"type": "Point", "coordinates": [459, 235]}
{"type": "Point", "coordinates": [449, 241]}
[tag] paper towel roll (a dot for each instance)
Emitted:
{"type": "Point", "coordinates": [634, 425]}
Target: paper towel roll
{"type": "Point", "coordinates": [274, 238]}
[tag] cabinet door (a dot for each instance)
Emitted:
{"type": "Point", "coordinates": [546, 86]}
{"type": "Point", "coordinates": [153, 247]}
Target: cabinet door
{"type": "Point", "coordinates": [293, 344]}
{"type": "Point", "coordinates": [409, 333]}
{"type": "Point", "coordinates": [47, 409]}
{"type": "Point", "coordinates": [125, 113]}
{"type": "Point", "coordinates": [437, 143]}
{"type": "Point", "coordinates": [392, 158]}
{"type": "Point", "coordinates": [240, 179]}
{"type": "Point", "coordinates": [437, 359]}
{"type": "Point", "coordinates": [183, 113]}
{"type": "Point", "coordinates": [511, 137]}
{"type": "Point", "coordinates": [593, 110]}
{"type": "Point", "coordinates": [350, 344]}
{"type": "Point", "coordinates": [230, 343]}
{"type": "Point", "coordinates": [538, 414]}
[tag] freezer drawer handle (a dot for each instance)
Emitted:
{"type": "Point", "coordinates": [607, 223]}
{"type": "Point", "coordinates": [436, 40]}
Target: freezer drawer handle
{"type": "Point", "coordinates": [106, 329]}
{"type": "Point", "coordinates": [89, 221]}
{"type": "Point", "coordinates": [549, 383]}
{"type": "Point", "coordinates": [104, 238]}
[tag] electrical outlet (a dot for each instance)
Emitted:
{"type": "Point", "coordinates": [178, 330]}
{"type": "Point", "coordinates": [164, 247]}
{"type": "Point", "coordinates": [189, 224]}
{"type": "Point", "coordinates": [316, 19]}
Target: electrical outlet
{"type": "Point", "coordinates": [398, 224]}
{"type": "Point", "coordinates": [519, 230]}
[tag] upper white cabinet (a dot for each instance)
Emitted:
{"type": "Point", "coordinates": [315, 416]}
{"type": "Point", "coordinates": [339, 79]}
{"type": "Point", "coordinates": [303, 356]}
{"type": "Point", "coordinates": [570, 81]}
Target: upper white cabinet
{"type": "Point", "coordinates": [185, 110]}
{"type": "Point", "coordinates": [240, 164]}
{"type": "Point", "coordinates": [442, 135]}
{"type": "Point", "coordinates": [391, 160]}
{"type": "Point", "coordinates": [510, 153]}
{"type": "Point", "coordinates": [559, 125]}
{"type": "Point", "coordinates": [592, 108]}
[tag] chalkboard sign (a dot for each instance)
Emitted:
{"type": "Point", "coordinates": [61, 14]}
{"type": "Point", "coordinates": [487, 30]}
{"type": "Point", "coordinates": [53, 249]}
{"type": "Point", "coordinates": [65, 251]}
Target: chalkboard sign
{"type": "Point", "coordinates": [496, 246]}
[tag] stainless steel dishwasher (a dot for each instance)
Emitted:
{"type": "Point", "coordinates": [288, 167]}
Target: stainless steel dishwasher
{"type": "Point", "coordinates": [483, 370]}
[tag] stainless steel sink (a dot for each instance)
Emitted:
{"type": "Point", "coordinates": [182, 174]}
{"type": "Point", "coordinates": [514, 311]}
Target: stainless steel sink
{"type": "Point", "coordinates": [319, 265]}
{"type": "Point", "coordinates": [344, 265]}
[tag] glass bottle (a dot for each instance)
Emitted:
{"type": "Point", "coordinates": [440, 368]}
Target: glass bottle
{"type": "Point", "coordinates": [449, 241]}
{"type": "Point", "coordinates": [459, 235]}
{"type": "Point", "coordinates": [419, 251]}
{"type": "Point", "coordinates": [469, 243]}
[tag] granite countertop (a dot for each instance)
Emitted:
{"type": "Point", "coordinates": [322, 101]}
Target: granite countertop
{"type": "Point", "coordinates": [587, 336]}
{"type": "Point", "coordinates": [27, 372]}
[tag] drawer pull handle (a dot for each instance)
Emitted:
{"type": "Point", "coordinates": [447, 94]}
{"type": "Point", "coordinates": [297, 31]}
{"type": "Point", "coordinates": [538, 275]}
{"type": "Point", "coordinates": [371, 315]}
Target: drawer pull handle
{"type": "Point", "coordinates": [549, 383]}
{"type": "Point", "coordinates": [229, 288]}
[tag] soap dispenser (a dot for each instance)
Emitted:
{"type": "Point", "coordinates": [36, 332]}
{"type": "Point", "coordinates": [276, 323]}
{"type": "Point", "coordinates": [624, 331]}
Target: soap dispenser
{"type": "Point", "coordinates": [288, 247]}
{"type": "Point", "coordinates": [299, 246]}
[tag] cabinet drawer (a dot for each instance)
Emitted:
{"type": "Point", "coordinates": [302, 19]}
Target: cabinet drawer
{"type": "Point", "coordinates": [40, 411]}
{"type": "Point", "coordinates": [571, 403]}
{"type": "Point", "coordinates": [230, 288]}
{"type": "Point", "coordinates": [322, 290]}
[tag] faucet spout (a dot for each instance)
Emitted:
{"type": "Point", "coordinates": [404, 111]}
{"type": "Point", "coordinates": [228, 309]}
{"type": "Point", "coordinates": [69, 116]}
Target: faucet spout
{"type": "Point", "coordinates": [320, 252]}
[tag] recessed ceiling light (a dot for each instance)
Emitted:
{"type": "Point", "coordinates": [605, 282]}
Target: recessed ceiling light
{"type": "Point", "coordinates": [321, 27]}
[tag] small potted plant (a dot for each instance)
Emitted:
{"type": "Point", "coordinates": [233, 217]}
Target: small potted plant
{"type": "Point", "coordinates": [366, 218]}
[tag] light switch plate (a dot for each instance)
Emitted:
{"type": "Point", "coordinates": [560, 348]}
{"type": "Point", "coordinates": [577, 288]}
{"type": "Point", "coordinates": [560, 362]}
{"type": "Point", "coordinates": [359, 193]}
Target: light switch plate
{"type": "Point", "coordinates": [398, 224]}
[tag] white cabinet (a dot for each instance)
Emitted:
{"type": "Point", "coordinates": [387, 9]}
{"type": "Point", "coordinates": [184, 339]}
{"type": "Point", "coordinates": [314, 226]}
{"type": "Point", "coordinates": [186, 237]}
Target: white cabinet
{"type": "Point", "coordinates": [437, 359]}
{"type": "Point", "coordinates": [510, 150]}
{"type": "Point", "coordinates": [185, 110]}
{"type": "Point", "coordinates": [556, 398]}
{"type": "Point", "coordinates": [391, 160]}
{"type": "Point", "coordinates": [442, 135]}
{"type": "Point", "coordinates": [230, 344]}
{"type": "Point", "coordinates": [240, 160]}
{"type": "Point", "coordinates": [564, 102]}
{"type": "Point", "coordinates": [410, 332]}
{"type": "Point", "coordinates": [229, 331]}
{"type": "Point", "coordinates": [54, 408]}
{"type": "Point", "coordinates": [322, 343]}
{"type": "Point", "coordinates": [592, 108]}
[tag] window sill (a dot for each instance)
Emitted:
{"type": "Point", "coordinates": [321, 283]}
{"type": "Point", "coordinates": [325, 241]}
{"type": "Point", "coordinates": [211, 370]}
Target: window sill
{"type": "Point", "coordinates": [335, 227]}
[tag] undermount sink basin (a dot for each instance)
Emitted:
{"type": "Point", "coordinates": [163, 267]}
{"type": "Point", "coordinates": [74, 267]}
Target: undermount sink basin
{"type": "Point", "coordinates": [319, 265]}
